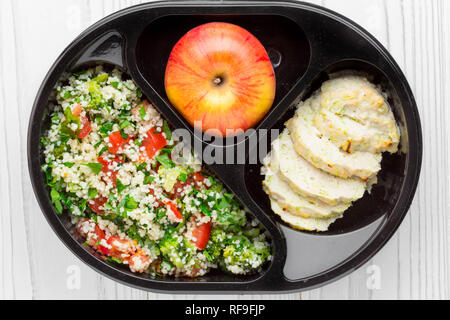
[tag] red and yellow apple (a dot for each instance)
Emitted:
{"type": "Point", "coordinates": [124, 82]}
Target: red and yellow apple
{"type": "Point", "coordinates": [219, 74]}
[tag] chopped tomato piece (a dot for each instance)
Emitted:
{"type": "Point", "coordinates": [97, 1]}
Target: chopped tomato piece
{"type": "Point", "coordinates": [198, 176]}
{"type": "Point", "coordinates": [97, 203]}
{"type": "Point", "coordinates": [116, 142]}
{"type": "Point", "coordinates": [104, 249]}
{"type": "Point", "coordinates": [154, 142]}
{"type": "Point", "coordinates": [139, 262]}
{"type": "Point", "coordinates": [201, 233]}
{"type": "Point", "coordinates": [106, 168]}
{"type": "Point", "coordinates": [85, 127]}
{"type": "Point", "coordinates": [198, 180]}
{"type": "Point", "coordinates": [76, 110]}
{"type": "Point", "coordinates": [100, 241]}
{"type": "Point", "coordinates": [177, 189]}
{"type": "Point", "coordinates": [152, 192]}
{"type": "Point", "coordinates": [120, 248]}
{"type": "Point", "coordinates": [173, 213]}
{"type": "Point", "coordinates": [95, 237]}
{"type": "Point", "coordinates": [106, 163]}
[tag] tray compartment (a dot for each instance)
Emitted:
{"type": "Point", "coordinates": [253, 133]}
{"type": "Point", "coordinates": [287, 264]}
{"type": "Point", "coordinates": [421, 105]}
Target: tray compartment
{"type": "Point", "coordinates": [284, 40]}
{"type": "Point", "coordinates": [214, 275]}
{"type": "Point", "coordinates": [384, 194]}
{"type": "Point", "coordinates": [108, 48]}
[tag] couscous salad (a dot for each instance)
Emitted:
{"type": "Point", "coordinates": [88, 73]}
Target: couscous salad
{"type": "Point", "coordinates": [108, 164]}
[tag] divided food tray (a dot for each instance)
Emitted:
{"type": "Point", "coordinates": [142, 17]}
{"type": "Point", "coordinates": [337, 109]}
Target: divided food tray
{"type": "Point", "coordinates": [306, 43]}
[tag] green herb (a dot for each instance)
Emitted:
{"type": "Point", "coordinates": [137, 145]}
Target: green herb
{"type": "Point", "coordinates": [95, 167]}
{"type": "Point", "coordinates": [142, 166]}
{"type": "Point", "coordinates": [228, 196]}
{"type": "Point", "coordinates": [142, 112]}
{"type": "Point", "coordinates": [120, 186]}
{"type": "Point", "coordinates": [123, 134]}
{"type": "Point", "coordinates": [205, 209]}
{"type": "Point", "coordinates": [126, 86]}
{"type": "Point", "coordinates": [113, 259]}
{"type": "Point", "coordinates": [223, 204]}
{"type": "Point", "coordinates": [98, 119]}
{"type": "Point", "coordinates": [56, 200]}
{"type": "Point", "coordinates": [115, 84]}
{"type": "Point", "coordinates": [92, 193]}
{"type": "Point", "coordinates": [124, 114]}
{"type": "Point", "coordinates": [97, 144]}
{"type": "Point", "coordinates": [44, 141]}
{"type": "Point", "coordinates": [125, 124]}
{"type": "Point", "coordinates": [130, 203]}
{"type": "Point", "coordinates": [165, 161]}
{"type": "Point", "coordinates": [149, 179]}
{"type": "Point", "coordinates": [101, 78]}
{"type": "Point", "coordinates": [182, 177]}
{"type": "Point", "coordinates": [67, 130]}
{"type": "Point", "coordinates": [64, 138]}
{"type": "Point", "coordinates": [67, 95]}
{"type": "Point", "coordinates": [139, 93]}
{"type": "Point", "coordinates": [82, 205]}
{"type": "Point", "coordinates": [160, 213]}
{"type": "Point", "coordinates": [106, 128]}
{"type": "Point", "coordinates": [167, 131]}
{"type": "Point", "coordinates": [167, 150]}
{"type": "Point", "coordinates": [69, 164]}
{"type": "Point", "coordinates": [208, 256]}
{"type": "Point", "coordinates": [102, 150]}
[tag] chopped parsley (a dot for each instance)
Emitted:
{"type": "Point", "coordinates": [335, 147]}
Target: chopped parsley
{"type": "Point", "coordinates": [165, 161]}
{"type": "Point", "coordinates": [94, 166]}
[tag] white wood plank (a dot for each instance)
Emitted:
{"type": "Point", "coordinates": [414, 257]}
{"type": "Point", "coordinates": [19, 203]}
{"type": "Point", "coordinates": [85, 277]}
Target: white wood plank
{"type": "Point", "coordinates": [34, 263]}
{"type": "Point", "coordinates": [34, 22]}
{"type": "Point", "coordinates": [15, 266]}
{"type": "Point", "coordinates": [414, 262]}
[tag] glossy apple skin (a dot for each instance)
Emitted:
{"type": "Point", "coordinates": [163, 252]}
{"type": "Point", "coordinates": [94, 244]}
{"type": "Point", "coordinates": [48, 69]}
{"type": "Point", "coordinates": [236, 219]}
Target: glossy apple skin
{"type": "Point", "coordinates": [231, 55]}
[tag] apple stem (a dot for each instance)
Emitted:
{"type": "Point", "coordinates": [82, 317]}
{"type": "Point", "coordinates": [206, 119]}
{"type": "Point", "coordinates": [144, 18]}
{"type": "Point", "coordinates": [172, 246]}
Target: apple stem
{"type": "Point", "coordinates": [217, 81]}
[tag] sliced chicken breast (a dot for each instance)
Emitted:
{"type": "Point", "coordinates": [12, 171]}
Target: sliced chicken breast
{"type": "Point", "coordinates": [310, 224]}
{"type": "Point", "coordinates": [309, 181]}
{"type": "Point", "coordinates": [295, 203]}
{"type": "Point", "coordinates": [354, 115]}
{"type": "Point", "coordinates": [322, 153]}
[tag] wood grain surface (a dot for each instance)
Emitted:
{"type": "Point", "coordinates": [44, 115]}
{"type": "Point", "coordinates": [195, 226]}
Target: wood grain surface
{"type": "Point", "coordinates": [35, 264]}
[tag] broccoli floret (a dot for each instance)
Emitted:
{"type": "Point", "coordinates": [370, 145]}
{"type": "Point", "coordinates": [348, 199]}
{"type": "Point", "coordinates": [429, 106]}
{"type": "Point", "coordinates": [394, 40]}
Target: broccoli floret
{"type": "Point", "coordinates": [242, 255]}
{"type": "Point", "coordinates": [213, 250]}
{"type": "Point", "coordinates": [96, 96]}
{"type": "Point", "coordinates": [171, 248]}
{"type": "Point", "coordinates": [178, 250]}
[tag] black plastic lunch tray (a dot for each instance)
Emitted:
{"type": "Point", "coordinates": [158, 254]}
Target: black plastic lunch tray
{"type": "Point", "coordinates": [306, 43]}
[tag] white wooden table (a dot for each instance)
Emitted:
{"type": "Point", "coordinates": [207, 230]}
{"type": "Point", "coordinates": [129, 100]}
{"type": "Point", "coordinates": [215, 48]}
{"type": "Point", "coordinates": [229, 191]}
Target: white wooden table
{"type": "Point", "coordinates": [35, 264]}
